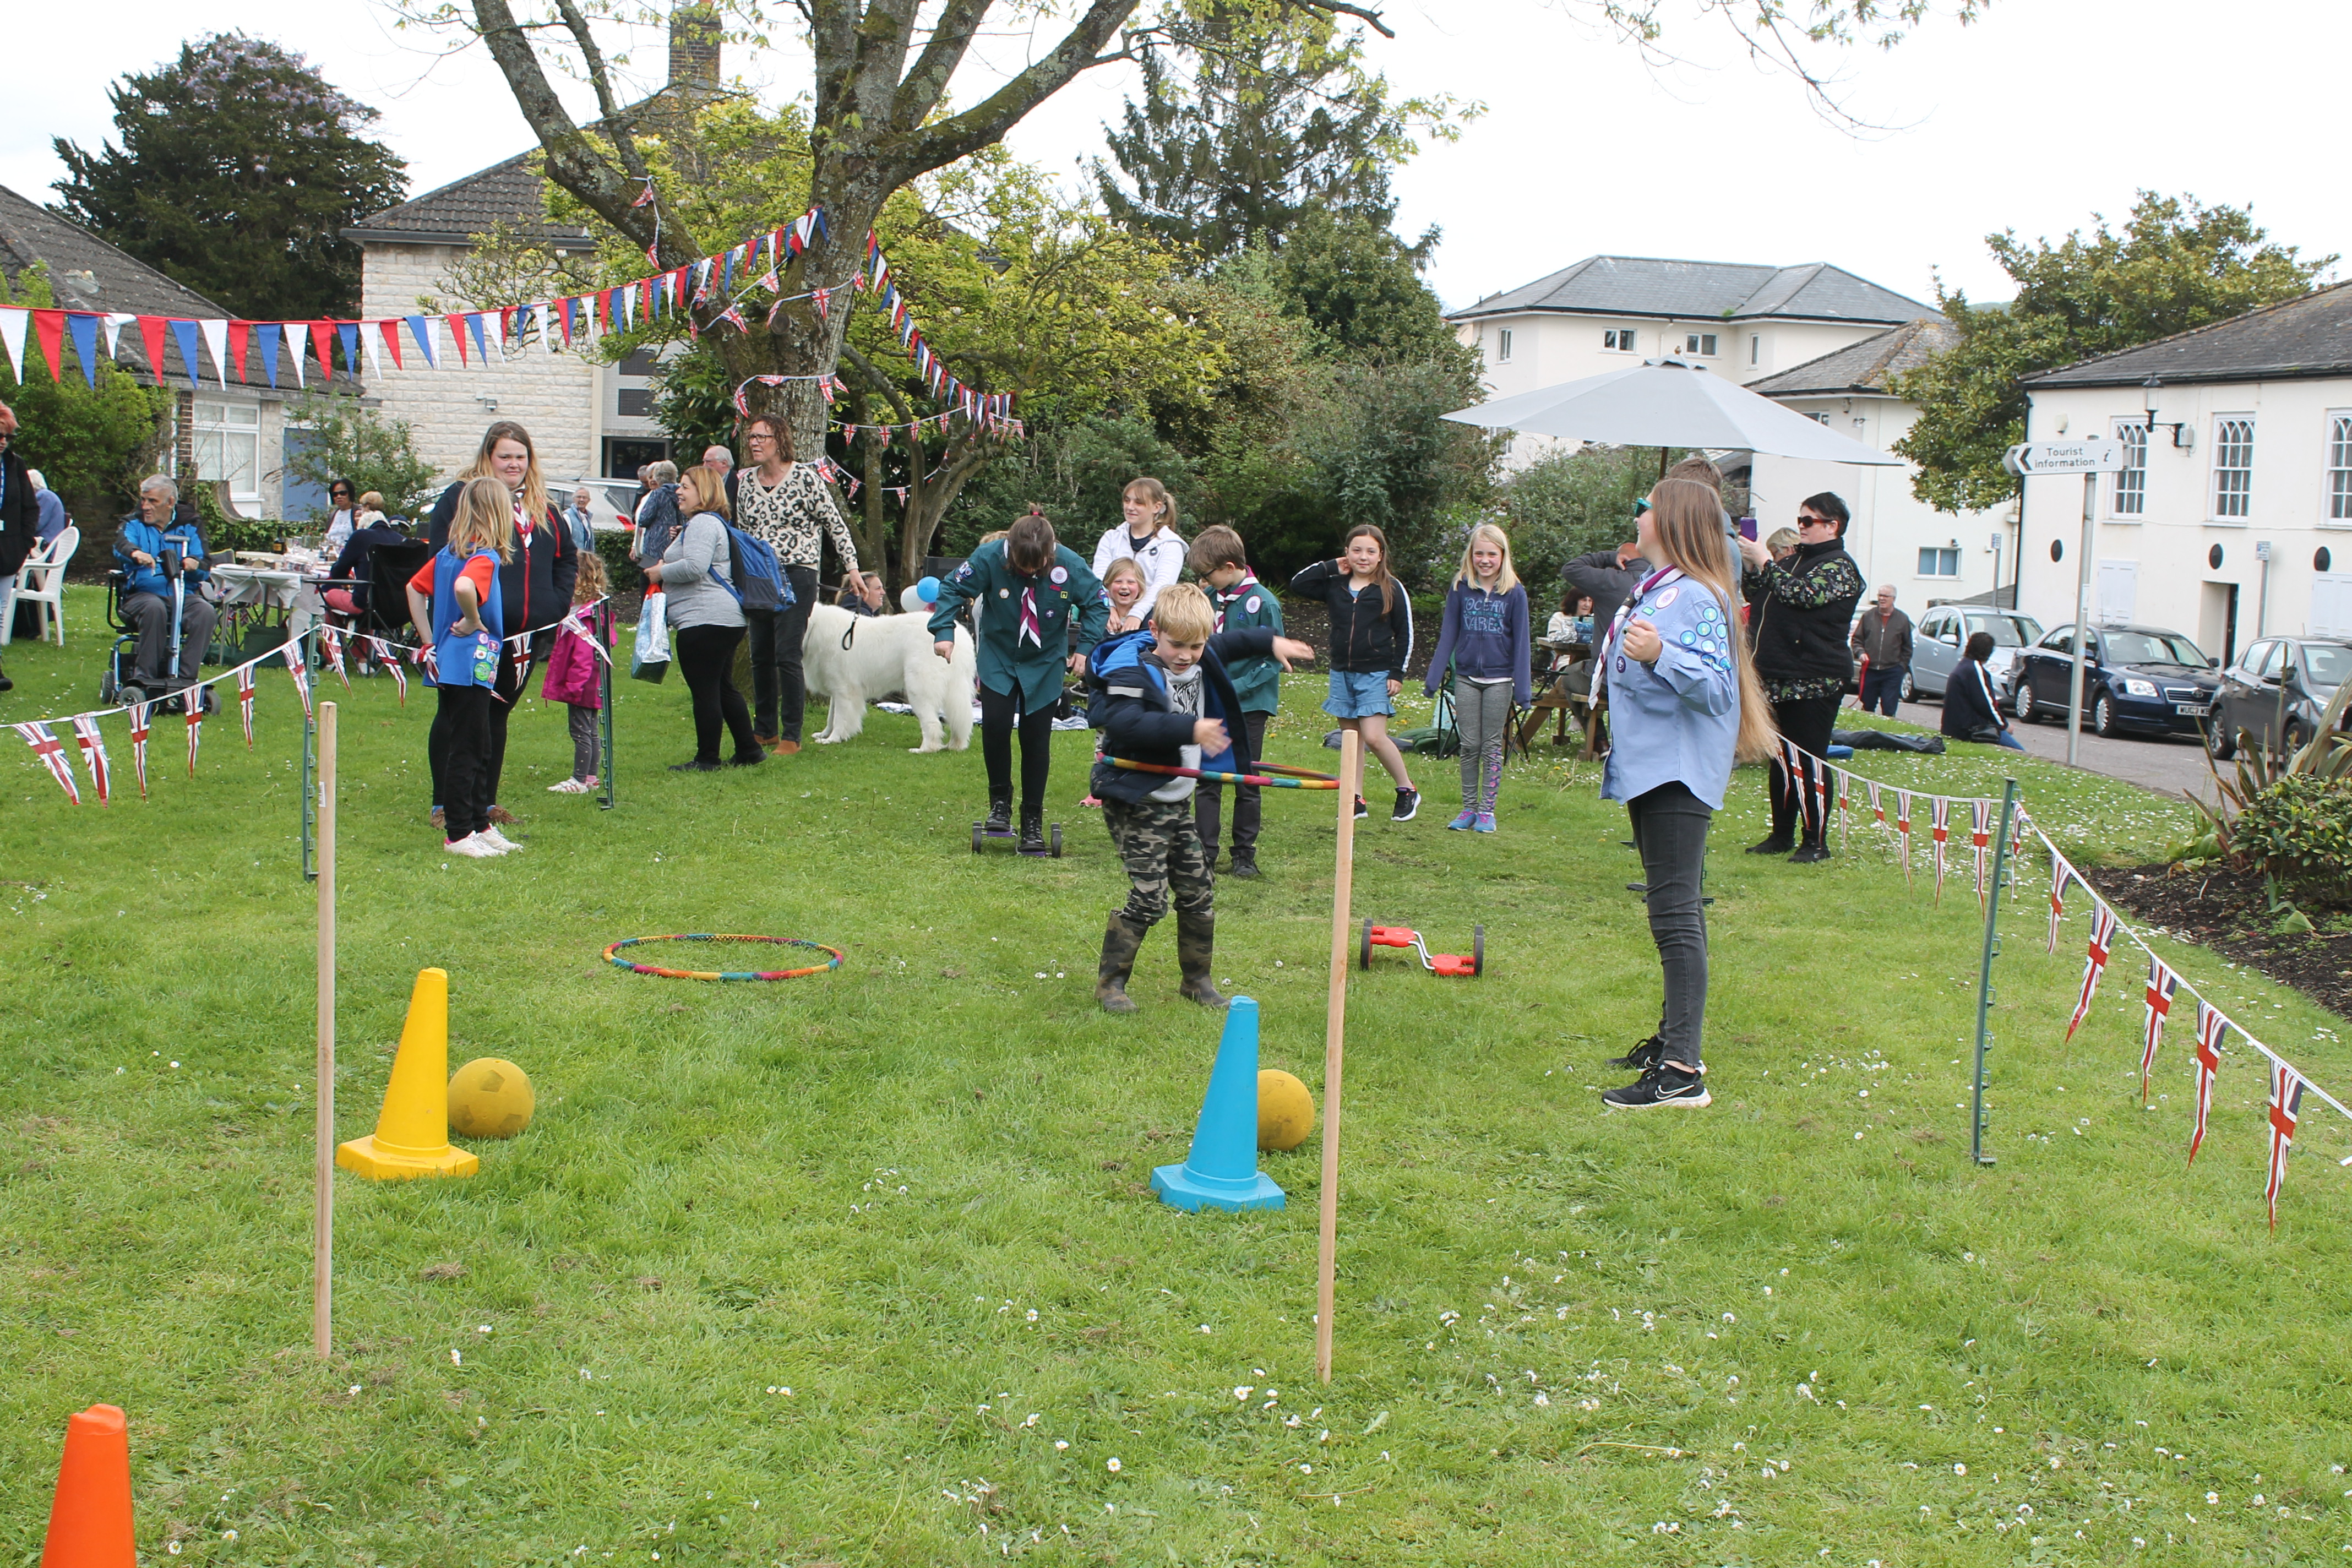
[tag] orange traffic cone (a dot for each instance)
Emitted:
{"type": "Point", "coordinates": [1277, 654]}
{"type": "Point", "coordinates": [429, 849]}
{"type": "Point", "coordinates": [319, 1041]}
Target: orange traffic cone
{"type": "Point", "coordinates": [412, 1136]}
{"type": "Point", "coordinates": [90, 1523]}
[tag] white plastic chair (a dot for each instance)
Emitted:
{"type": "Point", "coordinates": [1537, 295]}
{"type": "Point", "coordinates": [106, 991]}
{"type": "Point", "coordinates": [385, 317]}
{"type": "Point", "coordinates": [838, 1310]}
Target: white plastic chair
{"type": "Point", "coordinates": [41, 579]}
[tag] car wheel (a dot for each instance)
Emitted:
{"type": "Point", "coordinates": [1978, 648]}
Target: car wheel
{"type": "Point", "coordinates": [2027, 713]}
{"type": "Point", "coordinates": [2103, 715]}
{"type": "Point", "coordinates": [2295, 737]}
{"type": "Point", "coordinates": [2220, 740]}
{"type": "Point", "coordinates": [1910, 688]}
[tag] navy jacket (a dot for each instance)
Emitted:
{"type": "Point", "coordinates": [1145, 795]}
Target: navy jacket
{"type": "Point", "coordinates": [1365, 638]}
{"type": "Point", "coordinates": [1131, 708]}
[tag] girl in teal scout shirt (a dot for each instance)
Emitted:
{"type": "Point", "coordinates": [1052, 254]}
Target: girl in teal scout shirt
{"type": "Point", "coordinates": [1026, 589]}
{"type": "Point", "coordinates": [1683, 704]}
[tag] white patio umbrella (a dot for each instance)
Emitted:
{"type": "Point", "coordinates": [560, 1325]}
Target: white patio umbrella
{"type": "Point", "coordinates": [1670, 403]}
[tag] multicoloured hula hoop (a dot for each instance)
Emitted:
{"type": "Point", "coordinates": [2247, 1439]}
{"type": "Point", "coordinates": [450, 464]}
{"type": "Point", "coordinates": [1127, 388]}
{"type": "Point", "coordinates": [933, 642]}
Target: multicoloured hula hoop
{"type": "Point", "coordinates": [1272, 775]}
{"type": "Point", "coordinates": [834, 961]}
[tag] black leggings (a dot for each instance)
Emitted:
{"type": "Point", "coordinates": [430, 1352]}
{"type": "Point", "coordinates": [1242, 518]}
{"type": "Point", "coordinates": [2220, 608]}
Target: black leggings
{"type": "Point", "coordinates": [997, 710]}
{"type": "Point", "coordinates": [461, 732]}
{"type": "Point", "coordinates": [706, 657]}
{"type": "Point", "coordinates": [779, 688]}
{"type": "Point", "coordinates": [1670, 826]}
{"type": "Point", "coordinates": [1807, 722]}
{"type": "Point", "coordinates": [513, 675]}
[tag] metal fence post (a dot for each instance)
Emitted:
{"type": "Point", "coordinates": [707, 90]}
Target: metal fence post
{"type": "Point", "coordinates": [309, 767]}
{"type": "Point", "coordinates": [2001, 871]}
{"type": "Point", "coordinates": [604, 715]}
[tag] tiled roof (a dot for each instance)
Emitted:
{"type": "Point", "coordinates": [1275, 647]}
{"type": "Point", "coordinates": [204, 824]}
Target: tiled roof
{"type": "Point", "coordinates": [1691, 290]}
{"type": "Point", "coordinates": [1867, 365]}
{"type": "Point", "coordinates": [511, 192]}
{"type": "Point", "coordinates": [2310, 336]}
{"type": "Point", "coordinates": [85, 273]}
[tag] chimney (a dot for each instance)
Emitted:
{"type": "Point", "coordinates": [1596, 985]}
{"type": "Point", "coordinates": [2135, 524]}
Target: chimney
{"type": "Point", "coordinates": [694, 35]}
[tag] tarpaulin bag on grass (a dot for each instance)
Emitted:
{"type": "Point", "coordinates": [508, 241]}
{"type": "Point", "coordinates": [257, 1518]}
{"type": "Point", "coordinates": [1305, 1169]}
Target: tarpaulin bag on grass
{"type": "Point", "coordinates": [649, 657]}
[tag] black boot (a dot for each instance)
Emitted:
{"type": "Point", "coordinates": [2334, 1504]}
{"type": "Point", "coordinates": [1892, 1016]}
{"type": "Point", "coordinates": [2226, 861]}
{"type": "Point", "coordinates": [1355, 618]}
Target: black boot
{"type": "Point", "coordinates": [1774, 842]}
{"type": "Point", "coordinates": [1196, 950]}
{"type": "Point", "coordinates": [1033, 830]}
{"type": "Point", "coordinates": [1121, 938]}
{"type": "Point", "coordinates": [1811, 852]}
{"type": "Point", "coordinates": [1244, 863]}
{"type": "Point", "coordinates": [1000, 811]}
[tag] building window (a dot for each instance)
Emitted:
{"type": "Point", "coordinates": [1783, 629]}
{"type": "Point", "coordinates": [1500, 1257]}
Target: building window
{"type": "Point", "coordinates": [1821, 417]}
{"type": "Point", "coordinates": [2339, 468]}
{"type": "Point", "coordinates": [1700, 343]}
{"type": "Point", "coordinates": [1936, 563]}
{"type": "Point", "coordinates": [2233, 467]}
{"type": "Point", "coordinates": [2130, 495]}
{"type": "Point", "coordinates": [228, 446]}
{"type": "Point", "coordinates": [1755, 348]}
{"type": "Point", "coordinates": [1618, 338]}
{"type": "Point", "coordinates": [636, 403]}
{"type": "Point", "coordinates": [1503, 345]}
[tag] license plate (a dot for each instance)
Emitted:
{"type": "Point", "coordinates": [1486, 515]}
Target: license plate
{"type": "Point", "coordinates": [2193, 709]}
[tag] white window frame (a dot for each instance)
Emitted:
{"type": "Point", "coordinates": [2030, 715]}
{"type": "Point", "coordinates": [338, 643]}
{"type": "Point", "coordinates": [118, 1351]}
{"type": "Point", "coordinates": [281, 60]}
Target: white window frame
{"type": "Point", "coordinates": [1502, 346]}
{"type": "Point", "coordinates": [1700, 343]}
{"type": "Point", "coordinates": [2220, 491]}
{"type": "Point", "coordinates": [1619, 341]}
{"type": "Point", "coordinates": [220, 438]}
{"type": "Point", "coordinates": [1940, 551]}
{"type": "Point", "coordinates": [2335, 475]}
{"type": "Point", "coordinates": [1755, 348]}
{"type": "Point", "coordinates": [2133, 434]}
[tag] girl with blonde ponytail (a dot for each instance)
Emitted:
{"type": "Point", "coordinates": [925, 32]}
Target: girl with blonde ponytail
{"type": "Point", "coordinates": [1683, 705]}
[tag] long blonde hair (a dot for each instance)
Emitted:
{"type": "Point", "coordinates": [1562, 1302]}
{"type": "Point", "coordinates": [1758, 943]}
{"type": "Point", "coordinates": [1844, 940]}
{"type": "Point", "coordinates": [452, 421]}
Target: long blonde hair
{"type": "Point", "coordinates": [1506, 579]}
{"type": "Point", "coordinates": [1686, 521]}
{"type": "Point", "coordinates": [484, 521]}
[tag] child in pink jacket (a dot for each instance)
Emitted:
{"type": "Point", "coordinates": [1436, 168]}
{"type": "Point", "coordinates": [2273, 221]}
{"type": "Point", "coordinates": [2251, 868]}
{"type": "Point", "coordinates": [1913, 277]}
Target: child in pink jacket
{"type": "Point", "coordinates": [575, 676]}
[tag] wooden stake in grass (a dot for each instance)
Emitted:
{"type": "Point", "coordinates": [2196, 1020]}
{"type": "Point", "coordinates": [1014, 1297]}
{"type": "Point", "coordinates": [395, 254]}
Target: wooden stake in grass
{"type": "Point", "coordinates": [322, 1221]}
{"type": "Point", "coordinates": [1335, 1039]}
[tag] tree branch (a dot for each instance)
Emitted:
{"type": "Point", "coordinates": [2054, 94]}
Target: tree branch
{"type": "Point", "coordinates": [572, 161]}
{"type": "Point", "coordinates": [623, 141]}
{"type": "Point", "coordinates": [1337, 8]}
{"type": "Point", "coordinates": [928, 82]}
{"type": "Point", "coordinates": [985, 123]}
{"type": "Point", "coordinates": [882, 384]}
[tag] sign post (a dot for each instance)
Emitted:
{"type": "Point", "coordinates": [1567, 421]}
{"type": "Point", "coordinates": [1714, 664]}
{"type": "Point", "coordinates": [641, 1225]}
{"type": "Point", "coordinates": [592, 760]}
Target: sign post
{"type": "Point", "coordinates": [2090, 458]}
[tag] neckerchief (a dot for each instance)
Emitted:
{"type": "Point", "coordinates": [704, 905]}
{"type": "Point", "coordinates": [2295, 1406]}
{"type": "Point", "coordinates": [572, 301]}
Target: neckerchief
{"type": "Point", "coordinates": [1029, 628]}
{"type": "Point", "coordinates": [1226, 597]}
{"type": "Point", "coordinates": [1658, 579]}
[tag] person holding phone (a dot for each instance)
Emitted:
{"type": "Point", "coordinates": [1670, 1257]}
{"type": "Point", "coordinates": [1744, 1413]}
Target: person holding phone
{"type": "Point", "coordinates": [1798, 611]}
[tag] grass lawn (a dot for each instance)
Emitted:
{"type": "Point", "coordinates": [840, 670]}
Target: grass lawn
{"type": "Point", "coordinates": [862, 1268]}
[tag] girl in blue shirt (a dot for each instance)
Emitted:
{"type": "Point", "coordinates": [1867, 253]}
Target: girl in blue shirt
{"type": "Point", "coordinates": [1487, 640]}
{"type": "Point", "coordinates": [456, 604]}
{"type": "Point", "coordinates": [1684, 704]}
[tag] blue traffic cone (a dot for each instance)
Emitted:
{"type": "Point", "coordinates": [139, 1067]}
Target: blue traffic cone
{"type": "Point", "coordinates": [1222, 1171]}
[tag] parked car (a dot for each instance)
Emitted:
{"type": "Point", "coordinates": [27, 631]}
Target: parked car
{"type": "Point", "coordinates": [1943, 632]}
{"type": "Point", "coordinates": [2276, 694]}
{"type": "Point", "coordinates": [2141, 679]}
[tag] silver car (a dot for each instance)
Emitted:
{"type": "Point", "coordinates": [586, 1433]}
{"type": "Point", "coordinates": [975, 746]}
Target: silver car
{"type": "Point", "coordinates": [1943, 632]}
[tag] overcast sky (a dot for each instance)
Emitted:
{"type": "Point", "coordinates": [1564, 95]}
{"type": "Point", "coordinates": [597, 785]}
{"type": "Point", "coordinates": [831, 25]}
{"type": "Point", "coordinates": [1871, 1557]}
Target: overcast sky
{"type": "Point", "coordinates": [2035, 118]}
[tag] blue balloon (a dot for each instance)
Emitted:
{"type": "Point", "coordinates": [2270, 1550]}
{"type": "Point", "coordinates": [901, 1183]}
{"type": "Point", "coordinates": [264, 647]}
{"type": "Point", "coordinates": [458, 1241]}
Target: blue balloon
{"type": "Point", "coordinates": [930, 590]}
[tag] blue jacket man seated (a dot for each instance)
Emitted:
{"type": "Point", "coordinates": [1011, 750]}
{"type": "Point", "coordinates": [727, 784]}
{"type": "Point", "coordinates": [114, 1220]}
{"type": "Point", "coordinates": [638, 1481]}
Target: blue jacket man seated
{"type": "Point", "coordinates": [142, 549]}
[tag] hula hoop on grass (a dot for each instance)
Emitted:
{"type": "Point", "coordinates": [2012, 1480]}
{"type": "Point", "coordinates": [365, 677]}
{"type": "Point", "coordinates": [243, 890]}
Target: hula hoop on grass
{"type": "Point", "coordinates": [834, 961]}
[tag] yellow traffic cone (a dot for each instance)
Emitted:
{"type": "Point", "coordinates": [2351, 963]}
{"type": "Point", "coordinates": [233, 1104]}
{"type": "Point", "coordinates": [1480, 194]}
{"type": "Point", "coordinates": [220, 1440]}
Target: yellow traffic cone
{"type": "Point", "coordinates": [412, 1136]}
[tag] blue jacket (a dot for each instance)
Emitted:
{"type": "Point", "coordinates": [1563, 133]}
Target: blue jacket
{"type": "Point", "coordinates": [457, 661]}
{"type": "Point", "coordinates": [1678, 720]}
{"type": "Point", "coordinates": [1486, 636]}
{"type": "Point", "coordinates": [138, 533]}
{"type": "Point", "coordinates": [1131, 708]}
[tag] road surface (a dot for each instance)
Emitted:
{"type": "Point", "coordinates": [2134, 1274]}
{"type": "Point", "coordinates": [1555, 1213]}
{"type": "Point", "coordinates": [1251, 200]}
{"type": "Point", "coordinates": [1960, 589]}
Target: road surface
{"type": "Point", "coordinates": [2166, 764]}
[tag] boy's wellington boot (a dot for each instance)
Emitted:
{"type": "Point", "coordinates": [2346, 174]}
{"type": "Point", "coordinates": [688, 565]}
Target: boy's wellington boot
{"type": "Point", "coordinates": [1033, 830]}
{"type": "Point", "coordinates": [1196, 951]}
{"type": "Point", "coordinates": [1121, 940]}
{"type": "Point", "coordinates": [1000, 811]}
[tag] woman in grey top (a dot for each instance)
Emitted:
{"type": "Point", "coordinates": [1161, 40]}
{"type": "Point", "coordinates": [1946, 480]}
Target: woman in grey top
{"type": "Point", "coordinates": [788, 507]}
{"type": "Point", "coordinates": [706, 621]}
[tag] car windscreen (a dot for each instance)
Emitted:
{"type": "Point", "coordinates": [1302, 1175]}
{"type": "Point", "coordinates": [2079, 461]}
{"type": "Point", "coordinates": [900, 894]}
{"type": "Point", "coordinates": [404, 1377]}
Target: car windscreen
{"type": "Point", "coordinates": [2003, 628]}
{"type": "Point", "coordinates": [2148, 647]}
{"type": "Point", "coordinates": [2330, 664]}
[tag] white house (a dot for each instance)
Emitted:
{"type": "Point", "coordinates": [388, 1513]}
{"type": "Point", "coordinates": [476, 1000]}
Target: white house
{"type": "Point", "coordinates": [2235, 519]}
{"type": "Point", "coordinates": [1897, 537]}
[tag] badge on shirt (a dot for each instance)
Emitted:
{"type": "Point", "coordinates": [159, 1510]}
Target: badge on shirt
{"type": "Point", "coordinates": [1668, 597]}
{"type": "Point", "coordinates": [1058, 575]}
{"type": "Point", "coordinates": [1004, 593]}
{"type": "Point", "coordinates": [1252, 604]}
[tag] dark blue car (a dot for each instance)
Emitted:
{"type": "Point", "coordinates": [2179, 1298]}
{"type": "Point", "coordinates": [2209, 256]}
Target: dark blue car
{"type": "Point", "coordinates": [2140, 679]}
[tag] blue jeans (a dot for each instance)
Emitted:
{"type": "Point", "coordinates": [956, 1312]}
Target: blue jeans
{"type": "Point", "coordinates": [1882, 688]}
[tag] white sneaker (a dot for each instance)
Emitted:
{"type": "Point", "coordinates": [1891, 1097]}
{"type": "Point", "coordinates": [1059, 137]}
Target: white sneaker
{"type": "Point", "coordinates": [473, 846]}
{"type": "Point", "coordinates": [498, 841]}
{"type": "Point", "coordinates": [570, 786]}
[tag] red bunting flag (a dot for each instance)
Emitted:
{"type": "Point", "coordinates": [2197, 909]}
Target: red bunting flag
{"type": "Point", "coordinates": [1940, 832]}
{"type": "Point", "coordinates": [51, 752]}
{"type": "Point", "coordinates": [391, 330]}
{"type": "Point", "coordinates": [2210, 1027]}
{"type": "Point", "coordinates": [139, 711]}
{"type": "Point", "coordinates": [2161, 983]}
{"type": "Point", "coordinates": [239, 336]}
{"type": "Point", "coordinates": [2095, 963]}
{"type": "Point", "coordinates": [2287, 1105]}
{"type": "Point", "coordinates": [49, 327]}
{"type": "Point", "coordinates": [323, 343]}
{"type": "Point", "coordinates": [151, 333]}
{"type": "Point", "coordinates": [244, 700]}
{"type": "Point", "coordinates": [93, 757]}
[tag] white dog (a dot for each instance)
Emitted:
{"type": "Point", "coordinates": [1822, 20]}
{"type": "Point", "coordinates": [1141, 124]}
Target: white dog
{"type": "Point", "coordinates": [853, 658]}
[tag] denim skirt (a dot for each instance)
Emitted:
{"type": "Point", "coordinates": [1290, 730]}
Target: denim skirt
{"type": "Point", "coordinates": [1359, 693]}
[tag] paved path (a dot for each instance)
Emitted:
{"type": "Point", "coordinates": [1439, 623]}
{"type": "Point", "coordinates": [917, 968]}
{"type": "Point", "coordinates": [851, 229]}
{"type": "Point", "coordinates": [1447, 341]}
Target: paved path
{"type": "Point", "coordinates": [2166, 764]}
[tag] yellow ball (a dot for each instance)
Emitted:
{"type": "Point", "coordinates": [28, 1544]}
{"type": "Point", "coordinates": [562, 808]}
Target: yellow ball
{"type": "Point", "coordinates": [488, 1098]}
{"type": "Point", "coordinates": [1286, 1111]}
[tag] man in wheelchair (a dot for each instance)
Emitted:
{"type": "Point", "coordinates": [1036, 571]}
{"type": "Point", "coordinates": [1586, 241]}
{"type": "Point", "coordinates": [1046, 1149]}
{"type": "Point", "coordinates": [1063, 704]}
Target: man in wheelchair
{"type": "Point", "coordinates": [156, 607]}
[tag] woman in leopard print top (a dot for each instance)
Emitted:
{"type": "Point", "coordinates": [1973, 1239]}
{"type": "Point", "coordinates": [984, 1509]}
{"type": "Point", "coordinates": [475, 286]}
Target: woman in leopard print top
{"type": "Point", "coordinates": [788, 507]}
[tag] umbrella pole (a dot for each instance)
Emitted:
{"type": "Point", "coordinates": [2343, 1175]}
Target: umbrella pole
{"type": "Point", "coordinates": [1662, 462]}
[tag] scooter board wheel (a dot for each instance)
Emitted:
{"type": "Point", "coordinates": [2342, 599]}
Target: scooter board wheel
{"type": "Point", "coordinates": [976, 835]}
{"type": "Point", "coordinates": [1477, 951]}
{"type": "Point", "coordinates": [1055, 835]}
{"type": "Point", "coordinates": [1364, 954]}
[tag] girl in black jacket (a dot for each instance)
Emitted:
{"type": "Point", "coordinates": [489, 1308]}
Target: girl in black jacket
{"type": "Point", "coordinates": [1371, 642]}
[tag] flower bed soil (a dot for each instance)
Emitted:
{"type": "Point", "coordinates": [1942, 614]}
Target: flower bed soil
{"type": "Point", "coordinates": [2228, 911]}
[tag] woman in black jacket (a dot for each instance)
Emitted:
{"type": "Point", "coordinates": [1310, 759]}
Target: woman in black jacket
{"type": "Point", "coordinates": [1800, 612]}
{"type": "Point", "coordinates": [1971, 711]}
{"type": "Point", "coordinates": [535, 587]}
{"type": "Point", "coordinates": [1372, 643]}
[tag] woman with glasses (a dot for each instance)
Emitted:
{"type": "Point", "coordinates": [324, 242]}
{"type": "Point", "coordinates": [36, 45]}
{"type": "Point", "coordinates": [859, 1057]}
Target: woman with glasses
{"type": "Point", "coordinates": [1798, 613]}
{"type": "Point", "coordinates": [788, 507]}
{"type": "Point", "coordinates": [341, 502]}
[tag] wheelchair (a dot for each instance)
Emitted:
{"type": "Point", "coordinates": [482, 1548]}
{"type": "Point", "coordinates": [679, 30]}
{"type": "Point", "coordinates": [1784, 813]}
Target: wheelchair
{"type": "Point", "coordinates": [120, 683]}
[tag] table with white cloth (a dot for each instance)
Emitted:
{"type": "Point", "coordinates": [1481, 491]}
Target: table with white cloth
{"type": "Point", "coordinates": [250, 591]}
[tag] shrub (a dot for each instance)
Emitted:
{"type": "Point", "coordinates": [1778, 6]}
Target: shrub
{"type": "Point", "coordinates": [2298, 832]}
{"type": "Point", "coordinates": [613, 545]}
{"type": "Point", "coordinates": [350, 441]}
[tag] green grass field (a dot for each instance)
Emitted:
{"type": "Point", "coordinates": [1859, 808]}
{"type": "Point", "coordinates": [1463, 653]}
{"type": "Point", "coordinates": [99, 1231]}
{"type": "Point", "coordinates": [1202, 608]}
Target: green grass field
{"type": "Point", "coordinates": [862, 1268]}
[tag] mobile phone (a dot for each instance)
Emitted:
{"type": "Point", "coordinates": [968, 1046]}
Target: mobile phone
{"type": "Point", "coordinates": [1746, 528]}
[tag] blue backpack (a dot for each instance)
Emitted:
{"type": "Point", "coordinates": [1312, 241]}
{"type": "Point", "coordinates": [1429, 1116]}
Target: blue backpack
{"type": "Point", "coordinates": [753, 577]}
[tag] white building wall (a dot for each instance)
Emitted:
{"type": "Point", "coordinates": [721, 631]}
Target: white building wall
{"type": "Point", "coordinates": [2163, 561]}
{"type": "Point", "coordinates": [1889, 525]}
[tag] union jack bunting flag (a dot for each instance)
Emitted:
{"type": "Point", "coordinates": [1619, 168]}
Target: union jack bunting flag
{"type": "Point", "coordinates": [1820, 772]}
{"type": "Point", "coordinates": [1877, 806]}
{"type": "Point", "coordinates": [1844, 806]}
{"type": "Point", "coordinates": [1940, 833]}
{"type": "Point", "coordinates": [330, 648]}
{"type": "Point", "coordinates": [51, 751]}
{"type": "Point", "coordinates": [2161, 982]}
{"type": "Point", "coordinates": [2210, 1027]}
{"type": "Point", "coordinates": [302, 674]}
{"type": "Point", "coordinates": [2286, 1103]}
{"type": "Point", "coordinates": [139, 711]}
{"type": "Point", "coordinates": [194, 698]}
{"type": "Point", "coordinates": [1981, 841]}
{"type": "Point", "coordinates": [93, 757]}
{"type": "Point", "coordinates": [2061, 874]}
{"type": "Point", "coordinates": [1902, 828]}
{"type": "Point", "coordinates": [244, 701]}
{"type": "Point", "coordinates": [2094, 963]}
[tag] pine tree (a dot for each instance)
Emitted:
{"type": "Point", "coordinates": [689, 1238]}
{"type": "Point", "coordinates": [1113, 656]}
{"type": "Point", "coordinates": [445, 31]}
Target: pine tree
{"type": "Point", "coordinates": [237, 168]}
